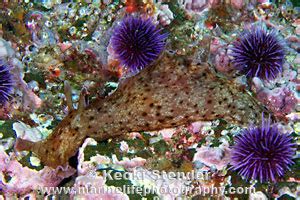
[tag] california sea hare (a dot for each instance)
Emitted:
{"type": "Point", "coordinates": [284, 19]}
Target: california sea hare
{"type": "Point", "coordinates": [170, 93]}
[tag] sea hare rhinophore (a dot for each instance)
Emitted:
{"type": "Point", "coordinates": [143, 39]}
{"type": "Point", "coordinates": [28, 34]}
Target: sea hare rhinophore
{"type": "Point", "coordinates": [170, 93]}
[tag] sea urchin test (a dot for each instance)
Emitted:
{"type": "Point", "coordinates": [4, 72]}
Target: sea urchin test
{"type": "Point", "coordinates": [170, 93]}
{"type": "Point", "coordinates": [137, 42]}
{"type": "Point", "coordinates": [6, 82]}
{"type": "Point", "coordinates": [258, 53]}
{"type": "Point", "coordinates": [263, 153]}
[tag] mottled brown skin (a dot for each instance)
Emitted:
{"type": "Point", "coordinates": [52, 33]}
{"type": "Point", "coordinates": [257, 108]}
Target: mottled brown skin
{"type": "Point", "coordinates": [168, 94]}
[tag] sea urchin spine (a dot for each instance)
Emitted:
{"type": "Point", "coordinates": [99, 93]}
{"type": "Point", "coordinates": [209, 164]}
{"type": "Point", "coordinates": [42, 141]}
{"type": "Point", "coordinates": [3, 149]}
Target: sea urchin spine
{"type": "Point", "coordinates": [258, 53]}
{"type": "Point", "coordinates": [262, 153]}
{"type": "Point", "coordinates": [137, 42]}
{"type": "Point", "coordinates": [6, 82]}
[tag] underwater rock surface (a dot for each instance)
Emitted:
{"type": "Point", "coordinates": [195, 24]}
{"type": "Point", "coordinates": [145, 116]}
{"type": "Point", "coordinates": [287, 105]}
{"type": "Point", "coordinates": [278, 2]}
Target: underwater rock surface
{"type": "Point", "coordinates": [149, 99]}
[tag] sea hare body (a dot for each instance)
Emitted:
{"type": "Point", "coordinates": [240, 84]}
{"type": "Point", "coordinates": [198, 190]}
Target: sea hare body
{"type": "Point", "coordinates": [167, 94]}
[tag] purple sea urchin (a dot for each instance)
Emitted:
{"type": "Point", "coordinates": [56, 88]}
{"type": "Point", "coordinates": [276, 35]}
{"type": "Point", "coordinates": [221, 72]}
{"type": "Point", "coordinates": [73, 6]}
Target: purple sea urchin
{"type": "Point", "coordinates": [6, 82]}
{"type": "Point", "coordinates": [262, 153]}
{"type": "Point", "coordinates": [258, 53]}
{"type": "Point", "coordinates": [137, 42]}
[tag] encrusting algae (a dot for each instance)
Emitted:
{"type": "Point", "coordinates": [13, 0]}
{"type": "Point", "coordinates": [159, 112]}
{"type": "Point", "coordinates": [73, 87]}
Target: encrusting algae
{"type": "Point", "coordinates": [169, 93]}
{"type": "Point", "coordinates": [177, 90]}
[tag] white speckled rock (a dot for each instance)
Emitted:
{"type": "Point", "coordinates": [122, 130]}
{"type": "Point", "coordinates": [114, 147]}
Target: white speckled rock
{"type": "Point", "coordinates": [5, 49]}
{"type": "Point", "coordinates": [257, 196]}
{"type": "Point", "coordinates": [165, 15]}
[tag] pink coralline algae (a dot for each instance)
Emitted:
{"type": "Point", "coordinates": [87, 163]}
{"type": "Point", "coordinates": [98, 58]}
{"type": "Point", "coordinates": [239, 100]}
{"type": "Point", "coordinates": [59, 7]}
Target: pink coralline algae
{"type": "Point", "coordinates": [221, 58]}
{"type": "Point", "coordinates": [29, 99]}
{"type": "Point", "coordinates": [197, 127]}
{"type": "Point", "coordinates": [131, 163]}
{"type": "Point", "coordinates": [23, 180]}
{"type": "Point", "coordinates": [215, 45]}
{"type": "Point", "coordinates": [164, 15]}
{"type": "Point", "coordinates": [196, 6]}
{"type": "Point", "coordinates": [34, 21]}
{"type": "Point", "coordinates": [85, 167]}
{"type": "Point", "coordinates": [167, 133]}
{"type": "Point", "coordinates": [94, 97]}
{"type": "Point", "coordinates": [93, 187]}
{"type": "Point", "coordinates": [217, 157]}
{"type": "Point", "coordinates": [281, 101]}
{"type": "Point", "coordinates": [237, 3]}
{"type": "Point", "coordinates": [40, 34]}
{"type": "Point", "coordinates": [222, 62]}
